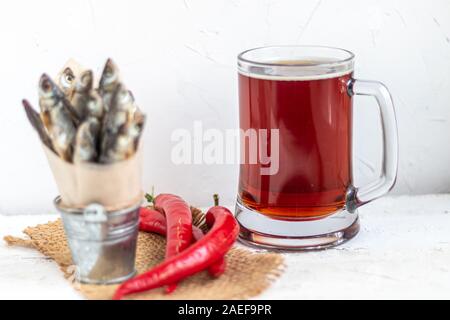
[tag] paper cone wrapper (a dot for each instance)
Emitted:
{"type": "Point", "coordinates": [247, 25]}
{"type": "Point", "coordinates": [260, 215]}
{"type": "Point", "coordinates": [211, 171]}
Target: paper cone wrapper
{"type": "Point", "coordinates": [115, 186]}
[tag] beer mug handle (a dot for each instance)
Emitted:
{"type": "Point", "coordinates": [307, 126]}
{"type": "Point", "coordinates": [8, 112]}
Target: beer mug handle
{"type": "Point", "coordinates": [359, 196]}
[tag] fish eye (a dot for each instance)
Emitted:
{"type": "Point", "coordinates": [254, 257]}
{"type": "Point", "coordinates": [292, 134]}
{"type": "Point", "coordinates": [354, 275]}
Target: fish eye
{"type": "Point", "coordinates": [67, 78]}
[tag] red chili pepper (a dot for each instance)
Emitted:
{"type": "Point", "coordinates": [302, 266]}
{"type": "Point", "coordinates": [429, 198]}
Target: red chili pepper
{"type": "Point", "coordinates": [151, 220]}
{"type": "Point", "coordinates": [218, 267]}
{"type": "Point", "coordinates": [154, 221]}
{"type": "Point", "coordinates": [178, 225]}
{"type": "Point", "coordinates": [214, 245]}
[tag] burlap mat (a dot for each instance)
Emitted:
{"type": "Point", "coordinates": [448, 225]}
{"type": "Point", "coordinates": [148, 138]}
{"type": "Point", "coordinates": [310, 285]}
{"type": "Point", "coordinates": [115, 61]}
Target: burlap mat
{"type": "Point", "coordinates": [247, 274]}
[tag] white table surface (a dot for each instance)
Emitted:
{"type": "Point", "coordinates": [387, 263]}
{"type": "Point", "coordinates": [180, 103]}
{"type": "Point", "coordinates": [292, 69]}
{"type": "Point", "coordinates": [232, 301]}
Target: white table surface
{"type": "Point", "coordinates": [402, 251]}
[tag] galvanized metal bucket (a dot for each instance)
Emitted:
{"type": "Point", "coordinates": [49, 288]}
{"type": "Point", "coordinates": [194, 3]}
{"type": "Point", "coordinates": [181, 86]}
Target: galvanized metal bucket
{"type": "Point", "coordinates": [103, 244]}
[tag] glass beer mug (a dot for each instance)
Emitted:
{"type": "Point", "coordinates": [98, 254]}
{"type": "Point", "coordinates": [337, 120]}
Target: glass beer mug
{"type": "Point", "coordinates": [295, 181]}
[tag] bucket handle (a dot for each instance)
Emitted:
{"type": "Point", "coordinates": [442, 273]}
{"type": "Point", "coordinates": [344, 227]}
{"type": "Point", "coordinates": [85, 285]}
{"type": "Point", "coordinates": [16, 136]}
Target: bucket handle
{"type": "Point", "coordinates": [95, 213]}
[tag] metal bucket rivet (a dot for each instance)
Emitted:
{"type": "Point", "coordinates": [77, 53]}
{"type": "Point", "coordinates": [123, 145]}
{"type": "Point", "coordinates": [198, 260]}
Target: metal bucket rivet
{"type": "Point", "coordinates": [103, 244]}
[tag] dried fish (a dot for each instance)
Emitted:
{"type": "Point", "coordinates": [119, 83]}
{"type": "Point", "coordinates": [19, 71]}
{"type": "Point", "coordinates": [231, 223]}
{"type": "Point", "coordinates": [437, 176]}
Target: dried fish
{"type": "Point", "coordinates": [49, 93]}
{"type": "Point", "coordinates": [83, 124]}
{"type": "Point", "coordinates": [62, 132]}
{"type": "Point", "coordinates": [56, 117]}
{"type": "Point", "coordinates": [86, 141]}
{"type": "Point", "coordinates": [80, 95]}
{"type": "Point", "coordinates": [36, 122]}
{"type": "Point", "coordinates": [66, 82]}
{"type": "Point", "coordinates": [95, 107]}
{"type": "Point", "coordinates": [121, 112]}
{"type": "Point", "coordinates": [86, 101]}
{"type": "Point", "coordinates": [126, 142]}
{"type": "Point", "coordinates": [109, 82]}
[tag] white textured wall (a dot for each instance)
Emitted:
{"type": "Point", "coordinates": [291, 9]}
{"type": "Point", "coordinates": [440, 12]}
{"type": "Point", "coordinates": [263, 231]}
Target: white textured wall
{"type": "Point", "coordinates": [179, 59]}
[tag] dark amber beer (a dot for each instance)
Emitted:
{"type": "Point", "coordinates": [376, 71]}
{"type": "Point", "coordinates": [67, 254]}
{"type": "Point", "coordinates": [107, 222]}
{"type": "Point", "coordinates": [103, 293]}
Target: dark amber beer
{"type": "Point", "coordinates": [295, 112]}
{"type": "Point", "coordinates": [314, 120]}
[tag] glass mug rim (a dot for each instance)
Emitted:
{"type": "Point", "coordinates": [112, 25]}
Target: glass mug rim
{"type": "Point", "coordinates": [295, 61]}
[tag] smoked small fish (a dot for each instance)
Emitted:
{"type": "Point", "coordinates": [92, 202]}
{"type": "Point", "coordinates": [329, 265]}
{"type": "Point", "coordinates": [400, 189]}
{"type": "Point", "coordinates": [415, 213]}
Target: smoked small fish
{"type": "Point", "coordinates": [85, 100]}
{"type": "Point", "coordinates": [36, 122]}
{"type": "Point", "coordinates": [109, 82]}
{"type": "Point", "coordinates": [66, 82]}
{"type": "Point", "coordinates": [126, 142]}
{"type": "Point", "coordinates": [56, 117]}
{"type": "Point", "coordinates": [86, 141]}
{"type": "Point", "coordinates": [121, 112]}
{"type": "Point", "coordinates": [82, 123]}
